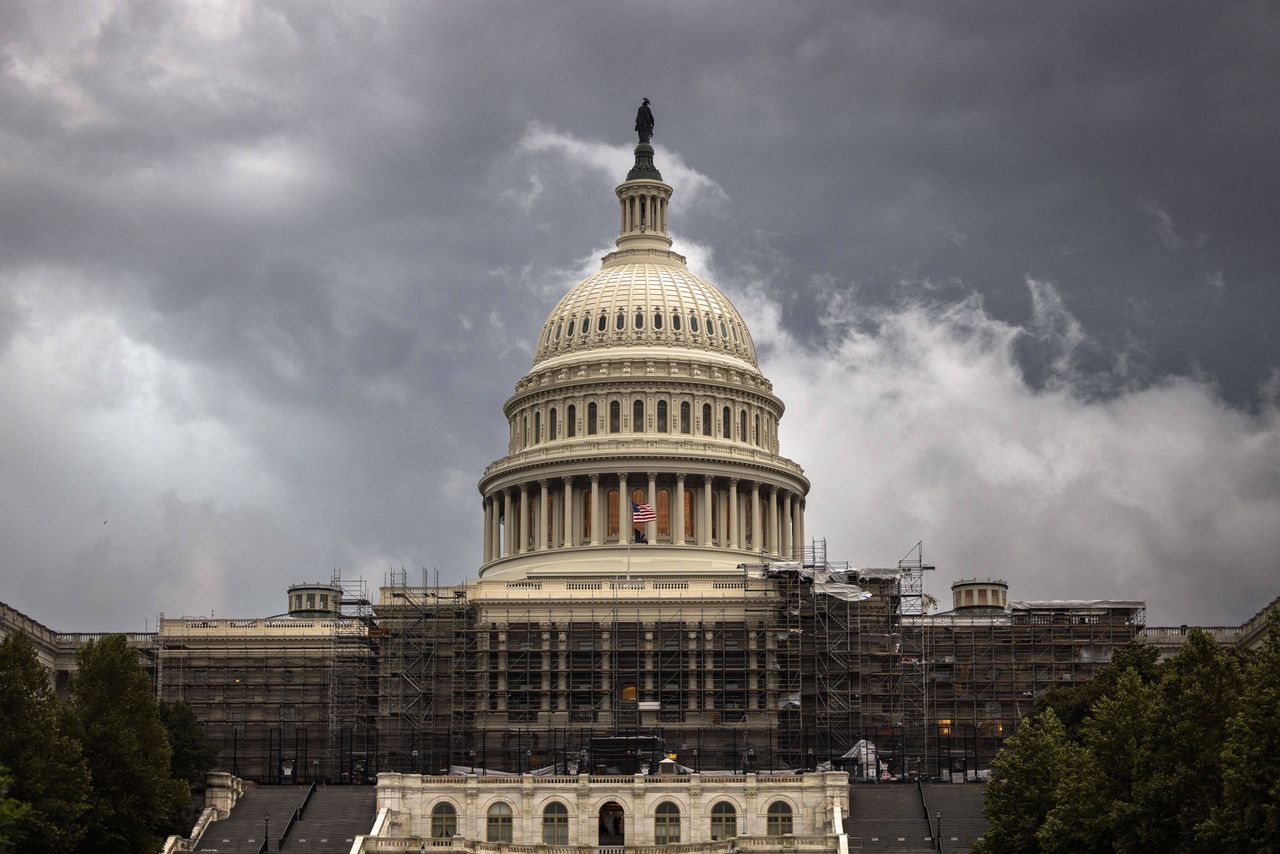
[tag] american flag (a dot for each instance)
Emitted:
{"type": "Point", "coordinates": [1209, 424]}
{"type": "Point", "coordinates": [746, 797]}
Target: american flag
{"type": "Point", "coordinates": [641, 513]}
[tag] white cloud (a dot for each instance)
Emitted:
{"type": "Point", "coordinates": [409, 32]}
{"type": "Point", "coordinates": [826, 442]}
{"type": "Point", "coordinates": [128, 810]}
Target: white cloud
{"type": "Point", "coordinates": [918, 424]}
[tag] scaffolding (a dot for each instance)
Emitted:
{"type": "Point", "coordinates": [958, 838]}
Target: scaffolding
{"type": "Point", "coordinates": [352, 685]}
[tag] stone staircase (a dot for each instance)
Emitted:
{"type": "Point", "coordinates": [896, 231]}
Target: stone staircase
{"type": "Point", "coordinates": [242, 831]}
{"type": "Point", "coordinates": [887, 817]}
{"type": "Point", "coordinates": [961, 808]}
{"type": "Point", "coordinates": [335, 816]}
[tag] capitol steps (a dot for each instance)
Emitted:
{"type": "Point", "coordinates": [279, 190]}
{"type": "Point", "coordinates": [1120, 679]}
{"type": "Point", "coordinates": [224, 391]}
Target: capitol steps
{"type": "Point", "coordinates": [887, 817]}
{"type": "Point", "coordinates": [961, 807]}
{"type": "Point", "coordinates": [241, 832]}
{"type": "Point", "coordinates": [333, 819]}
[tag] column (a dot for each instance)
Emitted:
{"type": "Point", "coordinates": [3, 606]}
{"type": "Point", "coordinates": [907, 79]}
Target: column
{"type": "Point", "coordinates": [651, 529]}
{"type": "Point", "coordinates": [757, 533]}
{"type": "Point", "coordinates": [734, 536]}
{"type": "Point", "coordinates": [800, 525]}
{"type": "Point", "coordinates": [788, 548]}
{"type": "Point", "coordinates": [542, 516]}
{"type": "Point", "coordinates": [773, 519]}
{"type": "Point", "coordinates": [598, 520]}
{"type": "Point", "coordinates": [624, 510]}
{"type": "Point", "coordinates": [677, 518]}
{"type": "Point", "coordinates": [523, 545]}
{"type": "Point", "coordinates": [508, 519]}
{"type": "Point", "coordinates": [488, 529]}
{"type": "Point", "coordinates": [569, 539]}
{"type": "Point", "coordinates": [704, 536]}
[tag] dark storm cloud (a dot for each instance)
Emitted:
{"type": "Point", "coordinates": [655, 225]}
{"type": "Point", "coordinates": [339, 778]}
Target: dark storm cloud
{"type": "Point", "coordinates": [267, 271]}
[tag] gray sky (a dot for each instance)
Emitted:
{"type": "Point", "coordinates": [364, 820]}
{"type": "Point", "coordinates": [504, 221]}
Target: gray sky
{"type": "Point", "coordinates": [268, 271]}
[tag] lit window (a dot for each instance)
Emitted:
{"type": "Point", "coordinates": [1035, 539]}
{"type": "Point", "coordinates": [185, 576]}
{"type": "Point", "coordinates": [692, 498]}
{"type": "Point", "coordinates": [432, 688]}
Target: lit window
{"type": "Point", "coordinates": [724, 822]}
{"type": "Point", "coordinates": [498, 825]}
{"type": "Point", "coordinates": [444, 820]}
{"type": "Point", "coordinates": [666, 824]}
{"type": "Point", "coordinates": [778, 822]}
{"type": "Point", "coordinates": [555, 824]}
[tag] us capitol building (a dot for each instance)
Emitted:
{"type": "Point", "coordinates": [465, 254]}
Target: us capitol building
{"type": "Point", "coordinates": [648, 587]}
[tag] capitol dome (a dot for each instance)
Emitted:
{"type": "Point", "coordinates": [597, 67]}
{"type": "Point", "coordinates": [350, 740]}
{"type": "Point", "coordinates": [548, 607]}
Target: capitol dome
{"type": "Point", "coordinates": [639, 304]}
{"type": "Point", "coordinates": [644, 438]}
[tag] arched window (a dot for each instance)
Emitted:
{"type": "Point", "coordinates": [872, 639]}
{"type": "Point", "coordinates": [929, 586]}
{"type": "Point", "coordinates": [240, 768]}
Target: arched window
{"type": "Point", "coordinates": [637, 416]}
{"type": "Point", "coordinates": [444, 820]}
{"type": "Point", "coordinates": [706, 419]}
{"type": "Point", "coordinates": [742, 425]}
{"type": "Point", "coordinates": [711, 327]}
{"type": "Point", "coordinates": [555, 424]}
{"type": "Point", "coordinates": [569, 334]}
{"type": "Point", "coordinates": [601, 322]}
{"type": "Point", "coordinates": [657, 320]}
{"type": "Point", "coordinates": [537, 427]}
{"type": "Point", "coordinates": [759, 438]}
{"type": "Point", "coordinates": [662, 416]}
{"type": "Point", "coordinates": [675, 322]}
{"type": "Point", "coordinates": [693, 323]}
{"type": "Point", "coordinates": [666, 824]}
{"type": "Point", "coordinates": [724, 822]}
{"type": "Point", "coordinates": [586, 518]}
{"type": "Point", "coordinates": [611, 509]}
{"type": "Point", "coordinates": [726, 424]}
{"type": "Point", "coordinates": [524, 431]}
{"type": "Point", "coordinates": [620, 320]}
{"type": "Point", "coordinates": [615, 416]}
{"type": "Point", "coordinates": [591, 419]}
{"type": "Point", "coordinates": [498, 824]}
{"type": "Point", "coordinates": [684, 416]}
{"type": "Point", "coordinates": [778, 821]}
{"type": "Point", "coordinates": [688, 514]}
{"type": "Point", "coordinates": [664, 512]}
{"type": "Point", "coordinates": [639, 319]}
{"type": "Point", "coordinates": [555, 824]}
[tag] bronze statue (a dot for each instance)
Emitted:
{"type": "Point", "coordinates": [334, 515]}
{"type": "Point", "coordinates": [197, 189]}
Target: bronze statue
{"type": "Point", "coordinates": [644, 121]}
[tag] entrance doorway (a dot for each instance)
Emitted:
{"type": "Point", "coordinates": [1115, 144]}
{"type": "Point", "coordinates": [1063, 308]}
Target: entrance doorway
{"type": "Point", "coordinates": [612, 824]}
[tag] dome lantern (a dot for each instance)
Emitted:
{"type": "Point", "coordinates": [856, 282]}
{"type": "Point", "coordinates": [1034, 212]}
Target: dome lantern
{"type": "Point", "coordinates": [643, 197]}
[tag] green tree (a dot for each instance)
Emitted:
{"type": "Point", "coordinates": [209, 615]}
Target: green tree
{"type": "Point", "coordinates": [12, 813]}
{"type": "Point", "coordinates": [1248, 819]}
{"type": "Point", "coordinates": [1178, 775]}
{"type": "Point", "coordinates": [193, 753]}
{"type": "Point", "coordinates": [127, 750]}
{"type": "Point", "coordinates": [1024, 780]}
{"type": "Point", "coordinates": [1093, 810]}
{"type": "Point", "coordinates": [49, 772]}
{"type": "Point", "coordinates": [1073, 703]}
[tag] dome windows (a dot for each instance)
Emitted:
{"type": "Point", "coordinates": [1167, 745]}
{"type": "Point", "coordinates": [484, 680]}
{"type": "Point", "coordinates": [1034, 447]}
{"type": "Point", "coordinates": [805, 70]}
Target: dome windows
{"type": "Point", "coordinates": [592, 415]}
{"type": "Point", "coordinates": [693, 323]}
{"type": "Point", "coordinates": [684, 417]}
{"type": "Point", "coordinates": [602, 322]}
{"type": "Point", "coordinates": [726, 424]}
{"type": "Point", "coordinates": [639, 319]}
{"type": "Point", "coordinates": [676, 322]}
{"type": "Point", "coordinates": [657, 320]}
{"type": "Point", "coordinates": [637, 416]}
{"type": "Point", "coordinates": [732, 326]}
{"type": "Point", "coordinates": [706, 419]}
{"type": "Point", "coordinates": [615, 417]}
{"type": "Point", "coordinates": [620, 320]}
{"type": "Point", "coordinates": [662, 416]}
{"type": "Point", "coordinates": [571, 421]}
{"type": "Point", "coordinates": [724, 331]}
{"type": "Point", "coordinates": [569, 334]}
{"type": "Point", "coordinates": [711, 327]}
{"type": "Point", "coordinates": [558, 329]}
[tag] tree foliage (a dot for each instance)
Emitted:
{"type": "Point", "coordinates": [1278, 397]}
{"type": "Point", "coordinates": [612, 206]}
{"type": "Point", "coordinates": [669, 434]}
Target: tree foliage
{"type": "Point", "coordinates": [1179, 757]}
{"type": "Point", "coordinates": [127, 751]}
{"type": "Point", "coordinates": [50, 777]}
{"type": "Point", "coordinates": [12, 813]}
{"type": "Point", "coordinates": [193, 753]}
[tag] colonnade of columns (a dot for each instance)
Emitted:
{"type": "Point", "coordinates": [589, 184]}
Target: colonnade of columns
{"type": "Point", "coordinates": [644, 212]}
{"type": "Point", "coordinates": [593, 510]}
